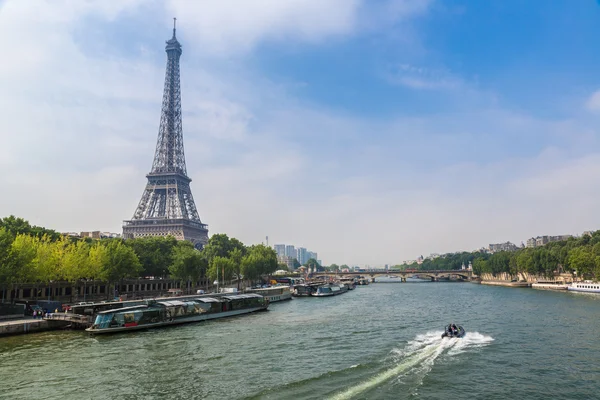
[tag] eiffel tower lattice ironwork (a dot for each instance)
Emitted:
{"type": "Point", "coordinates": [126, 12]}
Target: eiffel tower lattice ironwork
{"type": "Point", "coordinates": [167, 206]}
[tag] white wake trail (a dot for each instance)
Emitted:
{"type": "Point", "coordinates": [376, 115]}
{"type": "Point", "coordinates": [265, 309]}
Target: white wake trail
{"type": "Point", "coordinates": [420, 353]}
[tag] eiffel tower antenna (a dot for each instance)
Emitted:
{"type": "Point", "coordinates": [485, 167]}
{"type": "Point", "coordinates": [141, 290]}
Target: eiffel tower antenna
{"type": "Point", "coordinates": [167, 207]}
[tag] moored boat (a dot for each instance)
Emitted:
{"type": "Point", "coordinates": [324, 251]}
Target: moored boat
{"type": "Point", "coordinates": [274, 293]}
{"type": "Point", "coordinates": [585, 286]}
{"type": "Point", "coordinates": [331, 289]}
{"type": "Point", "coordinates": [165, 312]}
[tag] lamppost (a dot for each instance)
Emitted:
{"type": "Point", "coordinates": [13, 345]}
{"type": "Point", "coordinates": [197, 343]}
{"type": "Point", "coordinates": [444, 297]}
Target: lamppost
{"type": "Point", "coordinates": [217, 281]}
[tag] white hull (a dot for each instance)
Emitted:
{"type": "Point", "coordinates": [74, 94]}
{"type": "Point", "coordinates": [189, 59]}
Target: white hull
{"type": "Point", "coordinates": [585, 287]}
{"type": "Point", "coordinates": [195, 318]}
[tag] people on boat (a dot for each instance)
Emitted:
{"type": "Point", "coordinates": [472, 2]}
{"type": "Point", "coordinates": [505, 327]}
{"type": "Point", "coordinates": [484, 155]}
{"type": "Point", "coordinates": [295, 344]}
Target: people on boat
{"type": "Point", "coordinates": [453, 329]}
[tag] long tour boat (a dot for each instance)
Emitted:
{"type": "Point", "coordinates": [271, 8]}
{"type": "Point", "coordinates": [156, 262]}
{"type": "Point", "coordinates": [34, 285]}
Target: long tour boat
{"type": "Point", "coordinates": [165, 312]}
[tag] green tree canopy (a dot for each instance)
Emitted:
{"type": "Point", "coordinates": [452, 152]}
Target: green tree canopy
{"type": "Point", "coordinates": [188, 263]}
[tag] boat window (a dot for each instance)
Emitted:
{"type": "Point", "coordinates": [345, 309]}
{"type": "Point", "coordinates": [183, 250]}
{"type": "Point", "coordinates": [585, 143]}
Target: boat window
{"type": "Point", "coordinates": [103, 320]}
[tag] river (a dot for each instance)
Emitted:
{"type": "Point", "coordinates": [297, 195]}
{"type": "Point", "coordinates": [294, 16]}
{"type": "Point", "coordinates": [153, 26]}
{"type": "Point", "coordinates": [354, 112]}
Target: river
{"type": "Point", "coordinates": [380, 341]}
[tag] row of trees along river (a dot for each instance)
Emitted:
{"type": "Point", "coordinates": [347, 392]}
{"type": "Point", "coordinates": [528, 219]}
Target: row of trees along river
{"type": "Point", "coordinates": [580, 255]}
{"type": "Point", "coordinates": [32, 254]}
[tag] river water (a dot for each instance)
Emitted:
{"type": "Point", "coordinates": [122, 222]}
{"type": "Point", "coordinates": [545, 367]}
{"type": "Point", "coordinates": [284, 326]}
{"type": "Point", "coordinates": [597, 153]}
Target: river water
{"type": "Point", "coordinates": [380, 341]}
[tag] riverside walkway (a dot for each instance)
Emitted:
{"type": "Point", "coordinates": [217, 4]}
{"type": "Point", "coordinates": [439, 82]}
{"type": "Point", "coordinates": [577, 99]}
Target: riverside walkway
{"type": "Point", "coordinates": [48, 323]}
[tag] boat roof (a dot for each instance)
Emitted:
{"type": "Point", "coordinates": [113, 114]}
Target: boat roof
{"type": "Point", "coordinates": [172, 303]}
{"type": "Point", "coordinates": [243, 296]}
{"type": "Point", "coordinates": [132, 308]}
{"type": "Point", "coordinates": [208, 300]}
{"type": "Point", "coordinates": [269, 288]}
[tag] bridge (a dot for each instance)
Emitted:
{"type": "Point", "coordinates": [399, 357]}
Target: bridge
{"type": "Point", "coordinates": [434, 275]}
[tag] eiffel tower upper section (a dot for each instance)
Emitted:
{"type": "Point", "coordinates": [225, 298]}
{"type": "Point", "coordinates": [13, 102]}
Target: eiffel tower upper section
{"type": "Point", "coordinates": [167, 206]}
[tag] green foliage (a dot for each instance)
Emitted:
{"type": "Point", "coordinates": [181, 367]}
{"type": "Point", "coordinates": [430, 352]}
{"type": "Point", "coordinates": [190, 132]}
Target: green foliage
{"type": "Point", "coordinates": [16, 226]}
{"type": "Point", "coordinates": [297, 264]}
{"type": "Point", "coordinates": [260, 260]}
{"type": "Point", "coordinates": [118, 261]}
{"type": "Point", "coordinates": [188, 263]}
{"type": "Point", "coordinates": [221, 269]}
{"type": "Point", "coordinates": [155, 254]}
{"type": "Point", "coordinates": [583, 261]}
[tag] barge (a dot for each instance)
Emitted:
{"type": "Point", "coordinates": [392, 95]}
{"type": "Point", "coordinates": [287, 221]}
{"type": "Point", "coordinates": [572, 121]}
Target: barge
{"type": "Point", "coordinates": [166, 312]}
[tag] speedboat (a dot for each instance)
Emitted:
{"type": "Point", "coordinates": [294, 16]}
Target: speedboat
{"type": "Point", "coordinates": [457, 333]}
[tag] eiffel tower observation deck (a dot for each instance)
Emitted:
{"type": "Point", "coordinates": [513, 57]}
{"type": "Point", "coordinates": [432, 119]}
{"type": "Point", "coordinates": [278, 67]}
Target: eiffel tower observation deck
{"type": "Point", "coordinates": [167, 207]}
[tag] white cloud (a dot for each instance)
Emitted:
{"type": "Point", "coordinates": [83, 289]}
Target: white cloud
{"type": "Point", "coordinates": [422, 78]}
{"type": "Point", "coordinates": [232, 26]}
{"type": "Point", "coordinates": [593, 103]}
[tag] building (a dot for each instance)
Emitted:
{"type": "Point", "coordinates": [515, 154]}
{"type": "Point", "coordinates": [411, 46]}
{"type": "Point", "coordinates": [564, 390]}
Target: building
{"type": "Point", "coordinates": [290, 251]}
{"type": "Point", "coordinates": [167, 207]}
{"type": "Point", "coordinates": [280, 250]}
{"type": "Point", "coordinates": [93, 234]}
{"type": "Point", "coordinates": [508, 246]}
{"type": "Point", "coordinates": [302, 255]}
{"type": "Point", "coordinates": [288, 261]}
{"type": "Point", "coordinates": [543, 240]}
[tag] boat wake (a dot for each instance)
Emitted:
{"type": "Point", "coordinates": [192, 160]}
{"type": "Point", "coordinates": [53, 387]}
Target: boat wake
{"type": "Point", "coordinates": [418, 356]}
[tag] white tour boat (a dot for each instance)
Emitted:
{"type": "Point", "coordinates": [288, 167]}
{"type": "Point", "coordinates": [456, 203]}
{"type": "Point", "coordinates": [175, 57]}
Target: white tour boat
{"type": "Point", "coordinates": [585, 286]}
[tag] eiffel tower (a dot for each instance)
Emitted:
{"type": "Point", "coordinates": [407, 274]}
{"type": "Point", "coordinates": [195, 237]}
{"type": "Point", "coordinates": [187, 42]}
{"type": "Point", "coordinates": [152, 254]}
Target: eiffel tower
{"type": "Point", "coordinates": [167, 206]}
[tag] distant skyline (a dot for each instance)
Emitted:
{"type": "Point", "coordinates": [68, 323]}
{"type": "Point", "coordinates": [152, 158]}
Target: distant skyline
{"type": "Point", "coordinates": [374, 131]}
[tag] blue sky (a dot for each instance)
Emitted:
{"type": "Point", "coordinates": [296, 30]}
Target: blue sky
{"type": "Point", "coordinates": [368, 131]}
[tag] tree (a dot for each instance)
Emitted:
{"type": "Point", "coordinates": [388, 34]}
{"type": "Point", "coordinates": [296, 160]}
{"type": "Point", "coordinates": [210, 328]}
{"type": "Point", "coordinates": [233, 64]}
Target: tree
{"type": "Point", "coordinates": [260, 260]}
{"type": "Point", "coordinates": [155, 254]}
{"type": "Point", "coordinates": [16, 226]}
{"type": "Point", "coordinates": [296, 264]}
{"type": "Point", "coordinates": [221, 269]}
{"type": "Point", "coordinates": [115, 260]}
{"type": "Point", "coordinates": [23, 251]}
{"type": "Point", "coordinates": [236, 255]}
{"type": "Point", "coordinates": [188, 263]}
{"type": "Point", "coordinates": [334, 267]}
{"type": "Point", "coordinates": [582, 260]}
{"type": "Point", "coordinates": [6, 240]}
{"type": "Point", "coordinates": [479, 266]}
{"type": "Point", "coordinates": [77, 263]}
{"type": "Point", "coordinates": [312, 263]}
{"type": "Point", "coordinates": [218, 245]}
